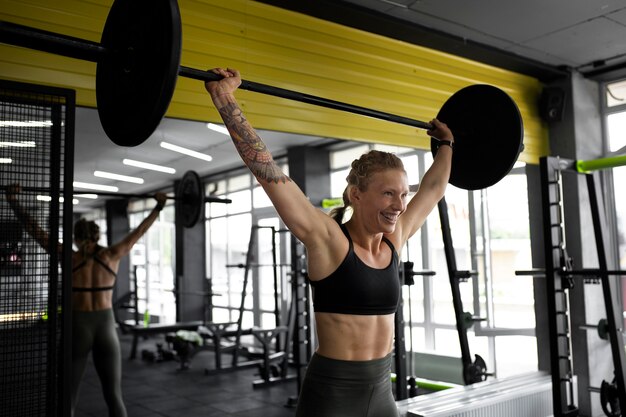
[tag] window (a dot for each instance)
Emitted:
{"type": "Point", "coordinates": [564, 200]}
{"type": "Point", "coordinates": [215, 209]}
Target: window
{"type": "Point", "coordinates": [228, 235]}
{"type": "Point", "coordinates": [616, 94]}
{"type": "Point", "coordinates": [152, 264]}
{"type": "Point", "coordinates": [615, 137]}
{"type": "Point", "coordinates": [619, 180]}
{"type": "Point", "coordinates": [616, 124]}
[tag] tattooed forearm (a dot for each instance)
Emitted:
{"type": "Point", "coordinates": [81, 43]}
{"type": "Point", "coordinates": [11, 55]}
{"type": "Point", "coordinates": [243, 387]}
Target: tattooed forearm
{"type": "Point", "coordinates": [250, 146]}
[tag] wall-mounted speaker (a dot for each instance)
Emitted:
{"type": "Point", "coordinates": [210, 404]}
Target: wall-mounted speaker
{"type": "Point", "coordinates": [551, 104]}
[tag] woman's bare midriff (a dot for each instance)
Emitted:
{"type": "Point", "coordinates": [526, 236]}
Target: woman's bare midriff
{"type": "Point", "coordinates": [354, 337]}
{"type": "Point", "coordinates": [92, 301]}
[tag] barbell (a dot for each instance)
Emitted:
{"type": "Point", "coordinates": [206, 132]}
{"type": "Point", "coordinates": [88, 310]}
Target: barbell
{"type": "Point", "coordinates": [189, 197]}
{"type": "Point", "coordinates": [138, 61]}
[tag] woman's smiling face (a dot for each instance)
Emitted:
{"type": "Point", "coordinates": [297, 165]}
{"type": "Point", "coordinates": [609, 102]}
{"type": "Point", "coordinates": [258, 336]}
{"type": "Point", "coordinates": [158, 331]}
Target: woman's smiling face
{"type": "Point", "coordinates": [384, 200]}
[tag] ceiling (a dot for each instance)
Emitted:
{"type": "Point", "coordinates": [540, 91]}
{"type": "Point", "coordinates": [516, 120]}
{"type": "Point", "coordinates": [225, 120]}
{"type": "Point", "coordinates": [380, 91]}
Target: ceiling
{"type": "Point", "coordinates": [535, 37]}
{"type": "Point", "coordinates": [95, 151]}
{"type": "Point", "coordinates": [541, 38]}
{"type": "Point", "coordinates": [571, 33]}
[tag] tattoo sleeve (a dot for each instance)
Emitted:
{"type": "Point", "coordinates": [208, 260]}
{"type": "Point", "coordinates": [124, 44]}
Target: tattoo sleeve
{"type": "Point", "coordinates": [250, 146]}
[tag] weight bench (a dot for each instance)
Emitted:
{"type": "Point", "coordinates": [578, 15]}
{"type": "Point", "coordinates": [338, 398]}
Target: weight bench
{"type": "Point", "coordinates": [219, 337]}
{"type": "Point", "coordinates": [273, 368]}
{"type": "Point", "coordinates": [158, 328]}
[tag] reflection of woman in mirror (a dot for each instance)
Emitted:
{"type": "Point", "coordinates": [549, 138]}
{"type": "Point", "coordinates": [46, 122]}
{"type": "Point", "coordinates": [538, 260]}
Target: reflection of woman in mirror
{"type": "Point", "coordinates": [94, 271]}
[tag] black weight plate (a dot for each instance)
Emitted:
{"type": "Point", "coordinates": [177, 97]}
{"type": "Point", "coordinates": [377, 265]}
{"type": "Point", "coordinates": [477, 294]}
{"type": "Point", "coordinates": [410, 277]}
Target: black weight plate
{"type": "Point", "coordinates": [488, 135]}
{"type": "Point", "coordinates": [189, 199]}
{"type": "Point", "coordinates": [135, 80]}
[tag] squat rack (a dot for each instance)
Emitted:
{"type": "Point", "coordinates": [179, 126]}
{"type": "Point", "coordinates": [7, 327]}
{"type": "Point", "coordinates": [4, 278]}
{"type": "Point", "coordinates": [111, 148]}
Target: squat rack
{"type": "Point", "coordinates": [559, 276]}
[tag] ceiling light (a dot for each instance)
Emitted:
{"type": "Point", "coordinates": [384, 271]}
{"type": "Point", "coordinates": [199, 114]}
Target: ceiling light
{"type": "Point", "coordinates": [21, 144]}
{"type": "Point", "coordinates": [112, 176]}
{"type": "Point", "coordinates": [186, 151]}
{"type": "Point", "coordinates": [6, 161]}
{"type": "Point", "coordinates": [218, 128]}
{"type": "Point", "coordinates": [153, 167]}
{"type": "Point", "coordinates": [21, 123]}
{"type": "Point", "coordinates": [98, 187]}
{"type": "Point", "coordinates": [89, 196]}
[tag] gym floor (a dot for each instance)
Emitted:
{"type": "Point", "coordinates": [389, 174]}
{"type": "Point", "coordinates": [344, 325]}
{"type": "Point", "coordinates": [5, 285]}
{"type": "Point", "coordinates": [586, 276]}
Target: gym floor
{"type": "Point", "coordinates": [162, 390]}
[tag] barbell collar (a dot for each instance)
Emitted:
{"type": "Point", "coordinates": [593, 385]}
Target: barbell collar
{"type": "Point", "coordinates": [54, 43]}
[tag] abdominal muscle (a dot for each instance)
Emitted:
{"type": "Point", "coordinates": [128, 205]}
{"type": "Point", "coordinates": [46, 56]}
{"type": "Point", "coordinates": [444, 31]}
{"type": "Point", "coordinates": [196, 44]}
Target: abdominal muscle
{"type": "Point", "coordinates": [354, 337]}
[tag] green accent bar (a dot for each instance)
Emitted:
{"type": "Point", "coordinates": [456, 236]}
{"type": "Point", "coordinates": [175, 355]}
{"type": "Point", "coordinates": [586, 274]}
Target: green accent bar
{"type": "Point", "coordinates": [332, 202]}
{"type": "Point", "coordinates": [427, 384]}
{"type": "Point", "coordinates": [601, 163]}
{"type": "Point", "coordinates": [433, 385]}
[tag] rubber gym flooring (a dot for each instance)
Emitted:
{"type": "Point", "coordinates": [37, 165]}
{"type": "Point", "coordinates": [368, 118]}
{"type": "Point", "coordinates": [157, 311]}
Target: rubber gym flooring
{"type": "Point", "coordinates": [162, 390]}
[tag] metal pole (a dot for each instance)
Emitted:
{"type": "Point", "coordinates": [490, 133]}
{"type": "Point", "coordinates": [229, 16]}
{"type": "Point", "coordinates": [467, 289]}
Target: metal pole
{"type": "Point", "coordinates": [127, 195]}
{"type": "Point", "coordinates": [54, 43]}
{"type": "Point", "coordinates": [304, 98]}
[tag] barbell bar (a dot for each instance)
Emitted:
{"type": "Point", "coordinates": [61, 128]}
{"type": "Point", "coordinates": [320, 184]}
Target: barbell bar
{"type": "Point", "coordinates": [41, 40]}
{"type": "Point", "coordinates": [139, 61]}
{"type": "Point", "coordinates": [189, 197]}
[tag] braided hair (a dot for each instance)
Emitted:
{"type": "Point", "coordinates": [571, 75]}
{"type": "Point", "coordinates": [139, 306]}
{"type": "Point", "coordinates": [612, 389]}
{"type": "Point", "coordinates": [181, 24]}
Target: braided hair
{"type": "Point", "coordinates": [361, 173]}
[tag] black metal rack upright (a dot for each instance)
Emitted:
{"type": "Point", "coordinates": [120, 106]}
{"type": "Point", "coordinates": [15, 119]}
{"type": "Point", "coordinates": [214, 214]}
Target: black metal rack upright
{"type": "Point", "coordinates": [559, 275]}
{"type": "Point", "coordinates": [473, 371]}
{"type": "Point", "coordinates": [300, 314]}
{"type": "Point", "coordinates": [557, 286]}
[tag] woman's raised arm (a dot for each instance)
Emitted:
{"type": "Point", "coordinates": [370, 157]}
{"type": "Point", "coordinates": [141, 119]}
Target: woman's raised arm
{"type": "Point", "coordinates": [305, 221]}
{"type": "Point", "coordinates": [32, 227]}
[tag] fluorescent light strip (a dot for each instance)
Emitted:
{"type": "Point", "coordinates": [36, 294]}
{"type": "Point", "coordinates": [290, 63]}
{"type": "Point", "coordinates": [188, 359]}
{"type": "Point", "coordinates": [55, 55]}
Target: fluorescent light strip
{"type": "Point", "coordinates": [22, 144]}
{"type": "Point", "coordinates": [30, 123]}
{"type": "Point", "coordinates": [186, 151]}
{"type": "Point", "coordinates": [218, 128]}
{"type": "Point", "coordinates": [47, 198]}
{"type": "Point", "coordinates": [19, 317]}
{"type": "Point", "coordinates": [6, 161]}
{"type": "Point", "coordinates": [112, 176]}
{"type": "Point", "coordinates": [145, 165]}
{"type": "Point", "coordinates": [89, 196]}
{"type": "Point", "coordinates": [97, 187]}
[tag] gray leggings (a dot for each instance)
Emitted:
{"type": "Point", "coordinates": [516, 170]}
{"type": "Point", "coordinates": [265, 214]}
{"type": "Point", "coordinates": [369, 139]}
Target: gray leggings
{"type": "Point", "coordinates": [336, 388]}
{"type": "Point", "coordinates": [94, 331]}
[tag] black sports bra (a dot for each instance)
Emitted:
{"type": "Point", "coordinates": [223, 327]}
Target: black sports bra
{"type": "Point", "coordinates": [104, 265]}
{"type": "Point", "coordinates": [355, 288]}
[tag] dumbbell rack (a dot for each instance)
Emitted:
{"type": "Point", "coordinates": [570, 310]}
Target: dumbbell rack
{"type": "Point", "coordinates": [559, 279]}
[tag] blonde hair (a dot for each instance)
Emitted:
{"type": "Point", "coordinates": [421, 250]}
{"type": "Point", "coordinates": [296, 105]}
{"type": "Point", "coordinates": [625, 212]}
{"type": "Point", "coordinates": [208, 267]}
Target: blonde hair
{"type": "Point", "coordinates": [361, 173]}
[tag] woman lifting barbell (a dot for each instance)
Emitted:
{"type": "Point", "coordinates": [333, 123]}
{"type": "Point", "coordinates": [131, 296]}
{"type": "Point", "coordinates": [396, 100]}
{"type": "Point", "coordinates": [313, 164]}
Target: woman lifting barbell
{"type": "Point", "coordinates": [94, 271]}
{"type": "Point", "coordinates": [352, 266]}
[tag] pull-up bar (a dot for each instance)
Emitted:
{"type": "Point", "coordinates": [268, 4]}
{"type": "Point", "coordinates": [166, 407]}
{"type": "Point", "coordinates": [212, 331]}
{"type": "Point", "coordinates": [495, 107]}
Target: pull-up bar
{"type": "Point", "coordinates": [601, 163]}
